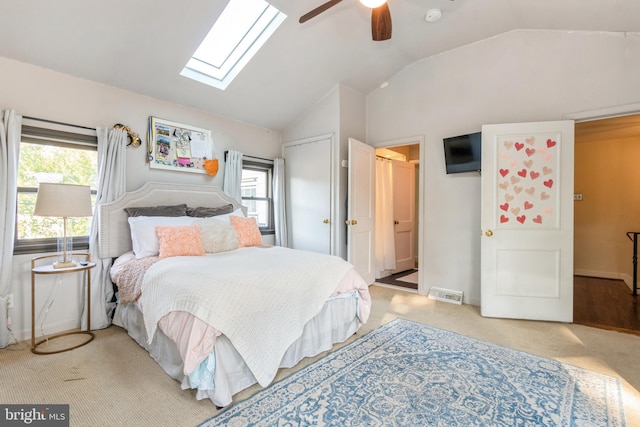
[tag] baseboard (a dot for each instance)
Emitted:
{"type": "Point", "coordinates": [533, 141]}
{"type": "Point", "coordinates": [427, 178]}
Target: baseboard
{"type": "Point", "coordinates": [628, 280]}
{"type": "Point", "coordinates": [50, 330]}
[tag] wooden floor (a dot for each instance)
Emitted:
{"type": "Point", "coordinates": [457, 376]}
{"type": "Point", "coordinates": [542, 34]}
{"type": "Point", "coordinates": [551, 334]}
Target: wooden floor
{"type": "Point", "coordinates": [606, 304]}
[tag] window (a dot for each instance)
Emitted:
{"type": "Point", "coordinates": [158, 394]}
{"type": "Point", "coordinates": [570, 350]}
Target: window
{"type": "Point", "coordinates": [51, 152]}
{"type": "Point", "coordinates": [256, 187]}
{"type": "Point", "coordinates": [238, 33]}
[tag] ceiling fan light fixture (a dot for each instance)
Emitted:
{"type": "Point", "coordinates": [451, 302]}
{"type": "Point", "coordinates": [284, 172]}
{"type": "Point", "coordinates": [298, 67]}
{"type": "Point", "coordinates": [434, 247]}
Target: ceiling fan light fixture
{"type": "Point", "coordinates": [372, 4]}
{"type": "Point", "coordinates": [380, 17]}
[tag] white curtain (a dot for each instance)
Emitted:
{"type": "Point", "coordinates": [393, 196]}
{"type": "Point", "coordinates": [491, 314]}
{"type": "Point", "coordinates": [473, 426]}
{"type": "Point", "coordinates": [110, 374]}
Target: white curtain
{"type": "Point", "coordinates": [232, 181]}
{"type": "Point", "coordinates": [385, 233]}
{"type": "Point", "coordinates": [112, 145]}
{"type": "Point", "coordinates": [279, 209]}
{"type": "Point", "coordinates": [10, 128]}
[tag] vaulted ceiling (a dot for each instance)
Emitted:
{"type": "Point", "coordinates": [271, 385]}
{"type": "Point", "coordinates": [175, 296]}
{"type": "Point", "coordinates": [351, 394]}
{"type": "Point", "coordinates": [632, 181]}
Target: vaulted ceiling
{"type": "Point", "coordinates": [143, 45]}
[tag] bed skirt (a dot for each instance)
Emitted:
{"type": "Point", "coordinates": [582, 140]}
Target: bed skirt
{"type": "Point", "coordinates": [231, 373]}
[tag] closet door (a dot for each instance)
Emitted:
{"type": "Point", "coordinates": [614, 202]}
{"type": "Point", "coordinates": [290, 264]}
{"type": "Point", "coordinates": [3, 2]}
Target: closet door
{"type": "Point", "coordinates": [308, 188]}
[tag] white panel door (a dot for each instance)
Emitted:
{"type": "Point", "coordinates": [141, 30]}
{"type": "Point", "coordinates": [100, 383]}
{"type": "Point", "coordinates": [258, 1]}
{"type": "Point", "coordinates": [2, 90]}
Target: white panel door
{"type": "Point", "coordinates": [308, 188]}
{"type": "Point", "coordinates": [527, 221]}
{"type": "Point", "coordinates": [361, 209]}
{"type": "Point", "coordinates": [404, 201]}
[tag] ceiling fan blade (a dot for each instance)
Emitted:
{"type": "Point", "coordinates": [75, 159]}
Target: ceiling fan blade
{"type": "Point", "coordinates": [381, 23]}
{"type": "Point", "coordinates": [318, 10]}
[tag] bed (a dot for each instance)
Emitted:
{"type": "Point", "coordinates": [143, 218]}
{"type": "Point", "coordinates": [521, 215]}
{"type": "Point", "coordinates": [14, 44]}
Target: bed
{"type": "Point", "coordinates": [220, 315]}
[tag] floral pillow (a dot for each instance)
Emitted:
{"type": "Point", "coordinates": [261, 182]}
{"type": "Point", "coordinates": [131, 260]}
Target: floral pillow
{"type": "Point", "coordinates": [247, 231]}
{"type": "Point", "coordinates": [179, 241]}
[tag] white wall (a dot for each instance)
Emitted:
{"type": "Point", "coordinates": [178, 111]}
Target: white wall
{"type": "Point", "coordinates": [341, 112]}
{"type": "Point", "coordinates": [41, 93]}
{"type": "Point", "coordinates": [520, 76]}
{"type": "Point", "coordinates": [322, 118]}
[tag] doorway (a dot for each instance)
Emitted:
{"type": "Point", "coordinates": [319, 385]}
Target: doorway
{"type": "Point", "coordinates": [606, 153]}
{"type": "Point", "coordinates": [398, 213]}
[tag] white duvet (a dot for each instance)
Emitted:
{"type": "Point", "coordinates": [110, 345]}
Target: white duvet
{"type": "Point", "coordinates": [260, 298]}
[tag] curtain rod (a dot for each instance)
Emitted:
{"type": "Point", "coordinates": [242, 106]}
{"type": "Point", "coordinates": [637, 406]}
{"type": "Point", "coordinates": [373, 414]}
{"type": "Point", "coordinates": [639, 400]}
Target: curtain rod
{"type": "Point", "coordinates": [248, 157]}
{"type": "Point", "coordinates": [57, 123]}
{"type": "Point", "coordinates": [383, 158]}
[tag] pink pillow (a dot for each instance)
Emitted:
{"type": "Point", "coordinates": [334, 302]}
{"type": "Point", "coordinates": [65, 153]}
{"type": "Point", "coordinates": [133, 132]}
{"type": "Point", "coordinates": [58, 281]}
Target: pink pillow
{"type": "Point", "coordinates": [247, 231]}
{"type": "Point", "coordinates": [179, 241]}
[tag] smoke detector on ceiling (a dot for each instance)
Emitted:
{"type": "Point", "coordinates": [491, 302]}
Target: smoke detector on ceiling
{"type": "Point", "coordinates": [433, 15]}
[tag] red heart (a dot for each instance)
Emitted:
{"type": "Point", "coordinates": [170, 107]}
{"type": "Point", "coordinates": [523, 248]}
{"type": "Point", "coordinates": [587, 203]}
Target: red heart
{"type": "Point", "coordinates": [522, 173]}
{"type": "Point", "coordinates": [534, 174]}
{"type": "Point", "coordinates": [504, 172]}
{"type": "Point", "coordinates": [550, 143]}
{"type": "Point", "coordinates": [530, 151]}
{"type": "Point", "coordinates": [505, 207]}
{"type": "Point", "coordinates": [528, 205]}
{"type": "Point", "coordinates": [548, 183]}
{"type": "Point", "coordinates": [503, 219]}
{"type": "Point", "coordinates": [538, 219]}
{"type": "Point", "coordinates": [519, 146]}
{"type": "Point", "coordinates": [521, 219]}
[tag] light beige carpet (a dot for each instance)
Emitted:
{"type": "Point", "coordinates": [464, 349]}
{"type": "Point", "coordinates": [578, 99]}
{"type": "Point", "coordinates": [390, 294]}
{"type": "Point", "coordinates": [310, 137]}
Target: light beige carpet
{"type": "Point", "coordinates": [113, 381]}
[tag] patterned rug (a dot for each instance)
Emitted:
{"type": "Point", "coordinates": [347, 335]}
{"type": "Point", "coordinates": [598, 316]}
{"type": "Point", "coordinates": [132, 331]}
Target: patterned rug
{"type": "Point", "coordinates": [410, 374]}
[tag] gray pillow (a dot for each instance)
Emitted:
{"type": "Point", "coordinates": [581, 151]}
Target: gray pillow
{"type": "Point", "coordinates": [173, 210]}
{"type": "Point", "coordinates": [203, 212]}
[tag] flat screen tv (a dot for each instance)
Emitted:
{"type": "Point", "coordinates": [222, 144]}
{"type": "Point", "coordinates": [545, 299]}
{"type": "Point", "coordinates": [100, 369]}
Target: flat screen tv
{"type": "Point", "coordinates": [462, 153]}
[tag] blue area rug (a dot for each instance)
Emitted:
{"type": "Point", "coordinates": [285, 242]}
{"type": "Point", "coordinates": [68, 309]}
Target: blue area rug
{"type": "Point", "coordinates": [410, 374]}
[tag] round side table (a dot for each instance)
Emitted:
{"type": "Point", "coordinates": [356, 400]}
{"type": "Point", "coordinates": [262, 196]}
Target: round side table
{"type": "Point", "coordinates": [48, 269]}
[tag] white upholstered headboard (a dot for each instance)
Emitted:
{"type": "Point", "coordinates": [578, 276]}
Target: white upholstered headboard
{"type": "Point", "coordinates": [114, 236]}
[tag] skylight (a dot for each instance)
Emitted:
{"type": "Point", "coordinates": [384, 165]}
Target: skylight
{"type": "Point", "coordinates": [240, 31]}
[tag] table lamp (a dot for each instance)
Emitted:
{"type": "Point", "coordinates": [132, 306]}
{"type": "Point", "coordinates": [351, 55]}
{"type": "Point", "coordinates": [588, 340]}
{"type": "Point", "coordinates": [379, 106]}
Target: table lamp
{"type": "Point", "coordinates": [63, 200]}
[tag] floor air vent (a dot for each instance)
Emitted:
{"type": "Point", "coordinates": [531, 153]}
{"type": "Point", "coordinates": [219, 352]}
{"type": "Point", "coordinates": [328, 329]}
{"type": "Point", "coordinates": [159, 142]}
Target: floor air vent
{"type": "Point", "coordinates": [446, 295]}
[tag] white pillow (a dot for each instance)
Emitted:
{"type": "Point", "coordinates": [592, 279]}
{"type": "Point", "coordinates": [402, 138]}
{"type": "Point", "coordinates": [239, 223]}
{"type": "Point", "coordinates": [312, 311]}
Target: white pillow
{"type": "Point", "coordinates": [225, 217]}
{"type": "Point", "coordinates": [143, 232]}
{"type": "Point", "coordinates": [217, 236]}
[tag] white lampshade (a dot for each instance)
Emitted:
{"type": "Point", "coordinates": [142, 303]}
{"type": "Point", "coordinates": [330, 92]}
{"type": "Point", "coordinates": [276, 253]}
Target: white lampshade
{"type": "Point", "coordinates": [373, 3]}
{"type": "Point", "coordinates": [63, 200]}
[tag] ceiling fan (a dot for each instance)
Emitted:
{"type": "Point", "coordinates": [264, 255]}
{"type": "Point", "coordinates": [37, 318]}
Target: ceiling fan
{"type": "Point", "coordinates": [380, 17]}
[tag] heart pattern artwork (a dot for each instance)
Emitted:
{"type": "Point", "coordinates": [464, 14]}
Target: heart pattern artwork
{"type": "Point", "coordinates": [529, 164]}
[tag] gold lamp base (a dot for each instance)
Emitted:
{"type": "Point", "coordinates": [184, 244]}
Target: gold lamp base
{"type": "Point", "coordinates": [64, 264]}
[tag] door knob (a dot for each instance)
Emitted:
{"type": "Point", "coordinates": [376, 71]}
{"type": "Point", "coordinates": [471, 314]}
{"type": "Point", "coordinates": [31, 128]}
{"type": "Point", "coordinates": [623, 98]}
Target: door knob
{"type": "Point", "coordinates": [354, 222]}
{"type": "Point", "coordinates": [396, 222]}
{"type": "Point", "coordinates": [325, 221]}
{"type": "Point", "coordinates": [488, 233]}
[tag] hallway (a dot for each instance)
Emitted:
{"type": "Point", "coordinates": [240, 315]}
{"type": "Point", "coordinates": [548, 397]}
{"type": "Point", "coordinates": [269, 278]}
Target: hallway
{"type": "Point", "coordinates": [605, 304]}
